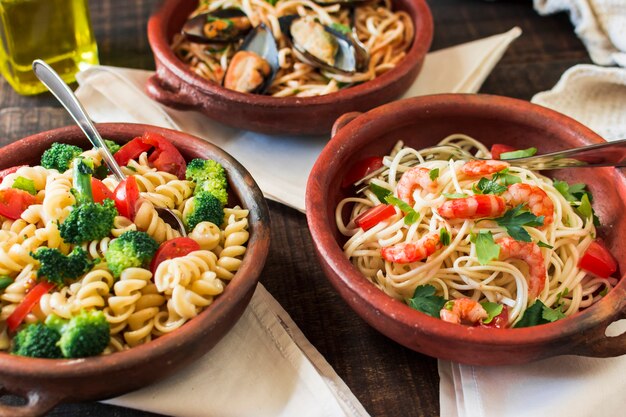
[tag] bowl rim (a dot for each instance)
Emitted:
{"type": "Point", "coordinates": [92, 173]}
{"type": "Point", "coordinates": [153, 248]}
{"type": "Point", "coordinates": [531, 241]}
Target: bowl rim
{"type": "Point", "coordinates": [159, 43]}
{"type": "Point", "coordinates": [344, 275]}
{"type": "Point", "coordinates": [251, 267]}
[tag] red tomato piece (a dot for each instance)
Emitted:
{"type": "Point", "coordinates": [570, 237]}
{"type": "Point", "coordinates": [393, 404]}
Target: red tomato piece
{"type": "Point", "coordinates": [100, 191]}
{"type": "Point", "coordinates": [13, 202]}
{"type": "Point", "coordinates": [173, 248]}
{"type": "Point", "coordinates": [360, 169]}
{"type": "Point", "coordinates": [126, 195]}
{"type": "Point", "coordinates": [501, 321]}
{"type": "Point", "coordinates": [165, 156]}
{"type": "Point", "coordinates": [598, 260]}
{"type": "Point", "coordinates": [375, 215]}
{"type": "Point", "coordinates": [8, 171]}
{"type": "Point", "coordinates": [498, 149]}
{"type": "Point", "coordinates": [131, 150]}
{"type": "Point", "coordinates": [28, 302]}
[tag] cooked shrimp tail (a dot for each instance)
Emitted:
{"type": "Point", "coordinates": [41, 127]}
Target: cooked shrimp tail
{"type": "Point", "coordinates": [407, 252]}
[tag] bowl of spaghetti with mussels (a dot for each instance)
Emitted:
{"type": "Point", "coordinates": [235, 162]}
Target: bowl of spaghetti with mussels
{"type": "Point", "coordinates": [286, 66]}
{"type": "Point", "coordinates": [476, 261]}
{"type": "Point", "coordinates": [100, 295]}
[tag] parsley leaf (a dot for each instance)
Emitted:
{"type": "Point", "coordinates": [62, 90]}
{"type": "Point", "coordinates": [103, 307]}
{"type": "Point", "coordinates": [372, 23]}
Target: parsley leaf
{"type": "Point", "coordinates": [433, 174]}
{"type": "Point", "coordinates": [425, 300]}
{"type": "Point", "coordinates": [586, 211]}
{"type": "Point", "coordinates": [539, 313]}
{"type": "Point", "coordinates": [25, 184]}
{"type": "Point", "coordinates": [544, 245]}
{"type": "Point", "coordinates": [380, 192]}
{"type": "Point", "coordinates": [486, 186]}
{"type": "Point", "coordinates": [411, 215]}
{"type": "Point", "coordinates": [506, 178]}
{"type": "Point", "coordinates": [492, 309]}
{"type": "Point", "coordinates": [336, 26]}
{"type": "Point", "coordinates": [551, 315]}
{"type": "Point", "coordinates": [524, 153]}
{"type": "Point", "coordinates": [486, 248]}
{"type": "Point", "coordinates": [454, 196]}
{"type": "Point", "coordinates": [444, 236]}
{"type": "Point", "coordinates": [514, 220]}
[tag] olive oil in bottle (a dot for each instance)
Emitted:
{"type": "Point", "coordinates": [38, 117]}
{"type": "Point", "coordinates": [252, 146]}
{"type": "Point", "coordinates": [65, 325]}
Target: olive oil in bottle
{"type": "Point", "coordinates": [57, 31]}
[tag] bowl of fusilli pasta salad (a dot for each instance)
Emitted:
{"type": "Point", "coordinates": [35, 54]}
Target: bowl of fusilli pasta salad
{"type": "Point", "coordinates": [99, 295]}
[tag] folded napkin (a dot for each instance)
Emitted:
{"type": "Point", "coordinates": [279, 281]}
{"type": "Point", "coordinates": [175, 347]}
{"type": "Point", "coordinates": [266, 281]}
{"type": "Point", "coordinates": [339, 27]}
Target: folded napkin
{"type": "Point", "coordinates": [566, 385]}
{"type": "Point", "coordinates": [291, 377]}
{"type": "Point", "coordinates": [601, 24]}
{"type": "Point", "coordinates": [279, 164]}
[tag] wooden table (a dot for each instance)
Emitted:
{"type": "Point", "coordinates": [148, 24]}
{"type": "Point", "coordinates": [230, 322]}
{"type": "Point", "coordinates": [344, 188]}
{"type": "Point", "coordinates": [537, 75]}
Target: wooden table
{"type": "Point", "coordinates": [388, 379]}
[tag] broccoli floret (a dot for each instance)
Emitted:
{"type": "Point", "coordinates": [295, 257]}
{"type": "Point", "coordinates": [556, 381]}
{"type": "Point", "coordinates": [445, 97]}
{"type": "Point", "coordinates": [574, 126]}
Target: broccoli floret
{"type": "Point", "coordinates": [37, 341]}
{"type": "Point", "coordinates": [59, 156]}
{"type": "Point", "coordinates": [204, 207]}
{"type": "Point", "coordinates": [131, 249]}
{"type": "Point", "coordinates": [209, 176]}
{"type": "Point", "coordinates": [86, 334]}
{"type": "Point", "coordinates": [88, 220]}
{"type": "Point", "coordinates": [57, 268]}
{"type": "Point", "coordinates": [113, 146]}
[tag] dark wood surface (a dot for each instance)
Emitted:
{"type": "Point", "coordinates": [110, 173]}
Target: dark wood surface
{"type": "Point", "coordinates": [388, 379]}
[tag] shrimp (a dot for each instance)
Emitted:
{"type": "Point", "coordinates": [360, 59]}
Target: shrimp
{"type": "Point", "coordinates": [479, 168]}
{"type": "Point", "coordinates": [463, 309]}
{"type": "Point", "coordinates": [530, 253]}
{"type": "Point", "coordinates": [473, 207]}
{"type": "Point", "coordinates": [534, 197]}
{"type": "Point", "coordinates": [413, 178]}
{"type": "Point", "coordinates": [407, 252]}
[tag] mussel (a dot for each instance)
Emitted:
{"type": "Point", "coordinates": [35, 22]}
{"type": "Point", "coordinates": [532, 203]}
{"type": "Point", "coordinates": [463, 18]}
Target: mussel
{"type": "Point", "coordinates": [220, 26]}
{"type": "Point", "coordinates": [323, 46]}
{"type": "Point", "coordinates": [254, 65]}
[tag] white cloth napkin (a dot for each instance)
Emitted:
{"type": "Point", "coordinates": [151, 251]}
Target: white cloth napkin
{"type": "Point", "coordinates": [279, 164]}
{"type": "Point", "coordinates": [290, 377]}
{"type": "Point", "coordinates": [601, 24]}
{"type": "Point", "coordinates": [566, 385]}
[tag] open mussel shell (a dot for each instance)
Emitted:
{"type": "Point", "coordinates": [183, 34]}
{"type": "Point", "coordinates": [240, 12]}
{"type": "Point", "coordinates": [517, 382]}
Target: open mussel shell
{"type": "Point", "coordinates": [255, 64]}
{"type": "Point", "coordinates": [219, 26]}
{"type": "Point", "coordinates": [323, 46]}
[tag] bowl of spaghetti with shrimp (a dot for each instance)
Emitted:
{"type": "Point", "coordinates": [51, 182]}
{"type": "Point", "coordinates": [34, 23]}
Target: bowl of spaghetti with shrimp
{"type": "Point", "coordinates": [447, 256]}
{"type": "Point", "coordinates": [301, 98]}
{"type": "Point", "coordinates": [100, 294]}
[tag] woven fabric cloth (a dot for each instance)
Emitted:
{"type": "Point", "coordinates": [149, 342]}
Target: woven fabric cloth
{"type": "Point", "coordinates": [601, 24]}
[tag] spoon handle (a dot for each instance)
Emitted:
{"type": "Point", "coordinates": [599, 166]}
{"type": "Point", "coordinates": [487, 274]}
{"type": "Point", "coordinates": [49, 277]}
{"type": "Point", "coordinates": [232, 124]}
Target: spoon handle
{"type": "Point", "coordinates": [66, 97]}
{"type": "Point", "coordinates": [610, 154]}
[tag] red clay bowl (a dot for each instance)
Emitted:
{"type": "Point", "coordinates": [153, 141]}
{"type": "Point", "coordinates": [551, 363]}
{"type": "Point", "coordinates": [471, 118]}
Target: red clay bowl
{"type": "Point", "coordinates": [422, 122]}
{"type": "Point", "coordinates": [47, 382]}
{"type": "Point", "coordinates": [176, 86]}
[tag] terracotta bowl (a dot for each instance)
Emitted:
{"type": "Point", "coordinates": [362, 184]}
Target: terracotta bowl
{"type": "Point", "coordinates": [176, 86]}
{"type": "Point", "coordinates": [422, 122]}
{"type": "Point", "coordinates": [47, 382]}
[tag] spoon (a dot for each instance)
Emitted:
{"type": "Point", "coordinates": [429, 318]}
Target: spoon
{"type": "Point", "coordinates": [66, 97]}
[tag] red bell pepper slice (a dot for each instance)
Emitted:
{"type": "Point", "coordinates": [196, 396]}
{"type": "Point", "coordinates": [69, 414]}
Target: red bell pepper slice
{"type": "Point", "coordinates": [498, 149]}
{"type": "Point", "coordinates": [13, 202]}
{"type": "Point", "coordinates": [173, 248]}
{"type": "Point", "coordinates": [28, 302]}
{"type": "Point", "coordinates": [375, 215]}
{"type": "Point", "coordinates": [131, 150]}
{"type": "Point", "coordinates": [165, 156]}
{"type": "Point", "coordinates": [126, 195]}
{"type": "Point", "coordinates": [360, 169]}
{"type": "Point", "coordinates": [598, 260]}
{"type": "Point", "coordinates": [8, 171]}
{"type": "Point", "coordinates": [100, 191]}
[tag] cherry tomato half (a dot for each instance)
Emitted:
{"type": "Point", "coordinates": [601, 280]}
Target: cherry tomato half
{"type": "Point", "coordinates": [598, 260]}
{"type": "Point", "coordinates": [13, 202]}
{"type": "Point", "coordinates": [28, 302]}
{"type": "Point", "coordinates": [165, 156]}
{"type": "Point", "coordinates": [131, 150]}
{"type": "Point", "coordinates": [375, 215]}
{"type": "Point", "coordinates": [126, 195]}
{"type": "Point", "coordinates": [360, 169]}
{"type": "Point", "coordinates": [498, 149]}
{"type": "Point", "coordinates": [8, 171]}
{"type": "Point", "coordinates": [100, 191]}
{"type": "Point", "coordinates": [173, 248]}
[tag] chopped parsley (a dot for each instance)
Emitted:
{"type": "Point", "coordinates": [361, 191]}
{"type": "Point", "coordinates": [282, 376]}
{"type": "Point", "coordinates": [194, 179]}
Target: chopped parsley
{"type": "Point", "coordinates": [336, 26]}
{"type": "Point", "coordinates": [578, 193]}
{"type": "Point", "coordinates": [25, 184]}
{"type": "Point", "coordinates": [433, 174]}
{"type": "Point", "coordinates": [486, 248]}
{"type": "Point", "coordinates": [539, 313]}
{"type": "Point", "coordinates": [380, 192]}
{"type": "Point", "coordinates": [411, 216]}
{"type": "Point", "coordinates": [425, 300]}
{"type": "Point", "coordinates": [454, 196]}
{"type": "Point", "coordinates": [488, 186]}
{"type": "Point", "coordinates": [544, 245]}
{"type": "Point", "coordinates": [524, 153]}
{"type": "Point", "coordinates": [514, 221]}
{"type": "Point", "coordinates": [444, 236]}
{"type": "Point", "coordinates": [492, 309]}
